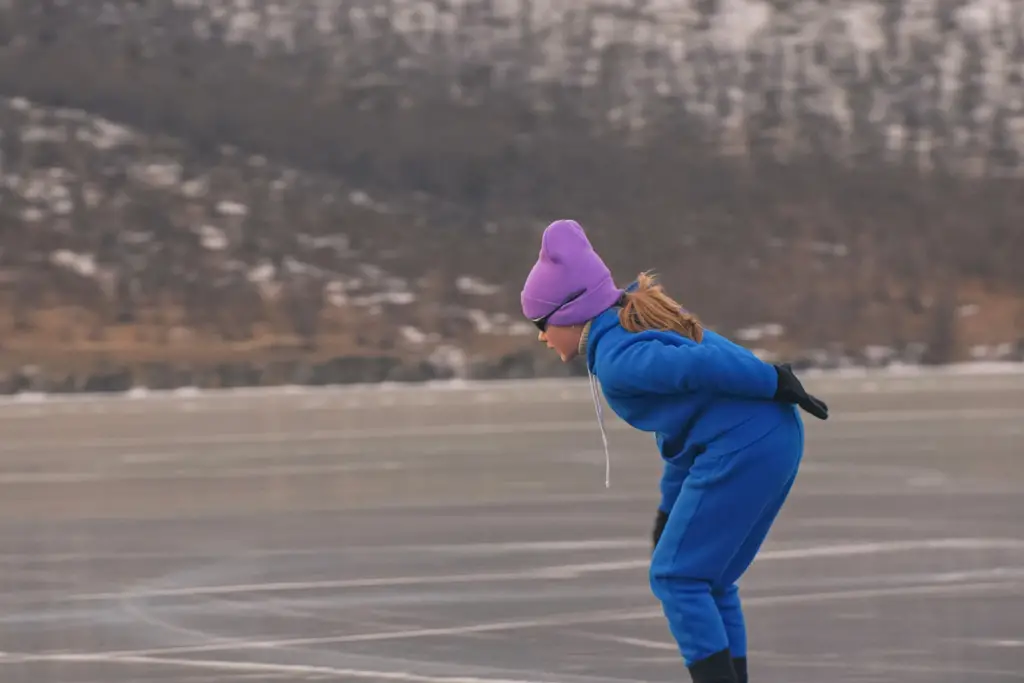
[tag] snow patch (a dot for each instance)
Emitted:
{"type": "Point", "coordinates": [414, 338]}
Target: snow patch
{"type": "Point", "coordinates": [520, 328]}
{"type": "Point", "coordinates": [413, 335]}
{"type": "Point", "coordinates": [334, 293]}
{"type": "Point", "coordinates": [229, 208]}
{"type": "Point", "coordinates": [83, 264]}
{"type": "Point", "coordinates": [195, 188]}
{"type": "Point", "coordinates": [877, 354]}
{"type": "Point", "coordinates": [450, 358]}
{"type": "Point", "coordinates": [213, 238]}
{"type": "Point", "coordinates": [338, 242]}
{"type": "Point", "coordinates": [105, 135]}
{"type": "Point", "coordinates": [32, 215]}
{"type": "Point", "coordinates": [263, 272]}
{"type": "Point", "coordinates": [760, 332]}
{"type": "Point", "coordinates": [42, 134]}
{"type": "Point", "coordinates": [738, 23]}
{"type": "Point", "coordinates": [468, 284]}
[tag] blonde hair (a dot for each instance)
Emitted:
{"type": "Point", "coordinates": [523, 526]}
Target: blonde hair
{"type": "Point", "coordinates": [648, 307]}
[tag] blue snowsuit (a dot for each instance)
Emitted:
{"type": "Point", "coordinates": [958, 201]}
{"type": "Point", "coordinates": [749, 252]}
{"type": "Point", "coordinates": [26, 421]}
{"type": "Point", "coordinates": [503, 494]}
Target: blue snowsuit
{"type": "Point", "coordinates": [730, 453]}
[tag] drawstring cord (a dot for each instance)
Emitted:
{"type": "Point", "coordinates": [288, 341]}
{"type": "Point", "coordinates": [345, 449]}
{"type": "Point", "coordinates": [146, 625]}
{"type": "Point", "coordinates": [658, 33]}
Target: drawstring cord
{"type": "Point", "coordinates": [594, 392]}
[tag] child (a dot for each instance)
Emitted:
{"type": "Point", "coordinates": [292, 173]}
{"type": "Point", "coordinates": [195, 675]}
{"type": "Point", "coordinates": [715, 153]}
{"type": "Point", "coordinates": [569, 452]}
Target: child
{"type": "Point", "coordinates": [724, 421]}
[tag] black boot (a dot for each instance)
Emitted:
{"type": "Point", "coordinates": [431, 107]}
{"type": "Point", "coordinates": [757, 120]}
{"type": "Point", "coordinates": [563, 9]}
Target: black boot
{"type": "Point", "coordinates": [739, 665]}
{"type": "Point", "coordinates": [718, 668]}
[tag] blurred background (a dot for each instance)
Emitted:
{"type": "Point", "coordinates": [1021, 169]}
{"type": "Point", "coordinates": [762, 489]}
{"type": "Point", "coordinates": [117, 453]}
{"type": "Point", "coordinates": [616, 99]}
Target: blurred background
{"type": "Point", "coordinates": [323, 204]}
{"type": "Point", "coordinates": [235, 192]}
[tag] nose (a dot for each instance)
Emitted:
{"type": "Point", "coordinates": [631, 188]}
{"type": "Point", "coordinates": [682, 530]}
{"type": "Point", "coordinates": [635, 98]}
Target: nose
{"type": "Point", "coordinates": [541, 337]}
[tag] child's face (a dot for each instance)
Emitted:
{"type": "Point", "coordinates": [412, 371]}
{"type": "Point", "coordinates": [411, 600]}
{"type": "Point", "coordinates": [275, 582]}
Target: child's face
{"type": "Point", "coordinates": [564, 340]}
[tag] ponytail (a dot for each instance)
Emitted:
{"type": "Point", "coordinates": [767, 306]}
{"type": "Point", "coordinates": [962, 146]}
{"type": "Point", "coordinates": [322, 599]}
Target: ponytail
{"type": "Point", "coordinates": [648, 307]}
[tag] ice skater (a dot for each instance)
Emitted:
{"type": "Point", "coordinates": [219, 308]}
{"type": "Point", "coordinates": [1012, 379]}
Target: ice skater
{"type": "Point", "coordinates": [725, 422]}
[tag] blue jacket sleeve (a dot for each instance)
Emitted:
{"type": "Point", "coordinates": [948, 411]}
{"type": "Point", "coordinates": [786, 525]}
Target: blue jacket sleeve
{"type": "Point", "coordinates": [647, 365]}
{"type": "Point", "coordinates": [672, 478]}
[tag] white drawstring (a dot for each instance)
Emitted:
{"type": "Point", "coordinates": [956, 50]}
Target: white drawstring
{"type": "Point", "coordinates": [600, 421]}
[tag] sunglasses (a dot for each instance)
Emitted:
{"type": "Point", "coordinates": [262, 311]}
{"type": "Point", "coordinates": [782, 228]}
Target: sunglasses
{"type": "Point", "coordinates": [542, 322]}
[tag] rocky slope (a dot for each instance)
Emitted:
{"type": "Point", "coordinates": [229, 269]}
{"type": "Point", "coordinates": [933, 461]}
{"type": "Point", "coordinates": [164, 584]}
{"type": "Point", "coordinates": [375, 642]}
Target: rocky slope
{"type": "Point", "coordinates": [136, 250]}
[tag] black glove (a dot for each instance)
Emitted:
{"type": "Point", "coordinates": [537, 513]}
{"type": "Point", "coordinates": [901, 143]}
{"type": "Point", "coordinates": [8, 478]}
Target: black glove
{"type": "Point", "coordinates": [659, 526]}
{"type": "Point", "coordinates": [791, 391]}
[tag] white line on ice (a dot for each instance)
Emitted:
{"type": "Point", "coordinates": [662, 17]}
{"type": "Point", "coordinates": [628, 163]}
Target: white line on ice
{"type": "Point", "coordinates": [595, 617]}
{"type": "Point", "coordinates": [267, 667]}
{"type": "Point", "coordinates": [989, 642]}
{"type": "Point", "coordinates": [485, 549]}
{"type": "Point", "coordinates": [554, 572]}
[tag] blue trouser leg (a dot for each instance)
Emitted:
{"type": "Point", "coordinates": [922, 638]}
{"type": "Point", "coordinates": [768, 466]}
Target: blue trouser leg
{"type": "Point", "coordinates": [726, 592]}
{"type": "Point", "coordinates": [727, 601]}
{"type": "Point", "coordinates": [717, 524]}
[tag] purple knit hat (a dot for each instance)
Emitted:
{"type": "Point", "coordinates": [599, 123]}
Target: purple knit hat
{"type": "Point", "coordinates": [568, 265]}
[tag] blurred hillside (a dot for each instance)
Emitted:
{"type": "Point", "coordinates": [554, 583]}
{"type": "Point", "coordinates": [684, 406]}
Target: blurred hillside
{"type": "Point", "coordinates": [249, 191]}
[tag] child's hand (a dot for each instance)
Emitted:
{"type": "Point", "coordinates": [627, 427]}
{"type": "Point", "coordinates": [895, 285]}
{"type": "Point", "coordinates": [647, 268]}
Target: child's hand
{"type": "Point", "coordinates": [790, 390]}
{"type": "Point", "coordinates": [659, 526]}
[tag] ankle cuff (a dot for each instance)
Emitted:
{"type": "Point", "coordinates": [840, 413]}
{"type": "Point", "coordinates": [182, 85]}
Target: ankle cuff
{"type": "Point", "coordinates": [717, 668]}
